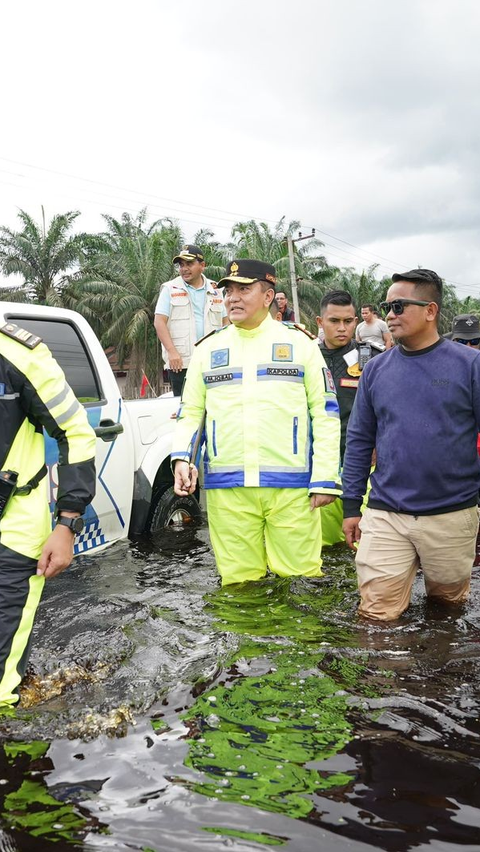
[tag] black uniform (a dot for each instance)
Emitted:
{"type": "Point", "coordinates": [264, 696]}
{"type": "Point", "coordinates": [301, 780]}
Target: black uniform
{"type": "Point", "coordinates": [346, 382]}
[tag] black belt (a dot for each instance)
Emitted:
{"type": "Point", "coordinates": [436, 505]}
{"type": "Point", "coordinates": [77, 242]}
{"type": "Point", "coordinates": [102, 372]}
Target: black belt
{"type": "Point", "coordinates": [33, 482]}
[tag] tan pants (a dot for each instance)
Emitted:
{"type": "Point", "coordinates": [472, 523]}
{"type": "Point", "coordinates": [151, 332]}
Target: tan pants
{"type": "Point", "coordinates": [394, 546]}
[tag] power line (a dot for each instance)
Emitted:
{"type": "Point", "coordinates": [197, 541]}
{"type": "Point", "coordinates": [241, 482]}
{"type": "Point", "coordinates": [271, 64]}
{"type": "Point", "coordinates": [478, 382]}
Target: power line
{"type": "Point", "coordinates": [358, 258]}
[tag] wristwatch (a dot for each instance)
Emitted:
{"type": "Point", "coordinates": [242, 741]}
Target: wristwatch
{"type": "Point", "coordinates": [76, 525]}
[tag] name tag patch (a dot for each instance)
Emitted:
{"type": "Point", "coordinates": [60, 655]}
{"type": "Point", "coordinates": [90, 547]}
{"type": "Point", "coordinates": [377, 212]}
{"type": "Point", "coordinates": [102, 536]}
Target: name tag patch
{"type": "Point", "coordinates": [349, 383]}
{"type": "Point", "coordinates": [219, 377]}
{"type": "Point", "coordinates": [282, 371]}
{"type": "Point", "coordinates": [282, 352]}
{"type": "Point", "coordinates": [219, 358]}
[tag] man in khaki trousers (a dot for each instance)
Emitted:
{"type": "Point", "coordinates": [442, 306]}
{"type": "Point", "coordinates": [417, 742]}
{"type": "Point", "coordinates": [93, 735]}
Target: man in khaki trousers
{"type": "Point", "coordinates": [418, 405]}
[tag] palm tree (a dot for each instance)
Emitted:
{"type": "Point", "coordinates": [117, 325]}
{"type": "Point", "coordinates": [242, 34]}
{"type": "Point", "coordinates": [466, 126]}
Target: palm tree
{"type": "Point", "coordinates": [42, 256]}
{"type": "Point", "coordinates": [120, 283]}
{"type": "Point", "coordinates": [258, 240]}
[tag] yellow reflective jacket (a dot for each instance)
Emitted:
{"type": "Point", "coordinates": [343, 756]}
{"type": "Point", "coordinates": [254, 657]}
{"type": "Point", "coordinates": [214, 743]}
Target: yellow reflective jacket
{"type": "Point", "coordinates": [272, 417]}
{"type": "Point", "coordinates": [35, 395]}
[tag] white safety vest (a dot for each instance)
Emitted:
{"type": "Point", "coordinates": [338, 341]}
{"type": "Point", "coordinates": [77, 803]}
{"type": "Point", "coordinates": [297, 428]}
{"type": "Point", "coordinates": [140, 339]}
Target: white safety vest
{"type": "Point", "coordinates": [181, 322]}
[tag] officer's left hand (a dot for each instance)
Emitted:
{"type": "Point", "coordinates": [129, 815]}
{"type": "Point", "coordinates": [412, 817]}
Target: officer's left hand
{"type": "Point", "coordinates": [57, 552]}
{"type": "Point", "coordinates": [318, 500]}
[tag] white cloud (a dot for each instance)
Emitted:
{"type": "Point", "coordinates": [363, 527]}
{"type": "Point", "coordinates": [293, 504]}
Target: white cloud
{"type": "Point", "coordinates": [359, 118]}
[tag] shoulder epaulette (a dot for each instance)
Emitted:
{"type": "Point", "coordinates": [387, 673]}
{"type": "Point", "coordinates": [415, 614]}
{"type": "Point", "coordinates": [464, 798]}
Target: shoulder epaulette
{"type": "Point", "coordinates": [301, 328]}
{"type": "Point", "coordinates": [215, 331]}
{"type": "Point", "coordinates": [21, 335]}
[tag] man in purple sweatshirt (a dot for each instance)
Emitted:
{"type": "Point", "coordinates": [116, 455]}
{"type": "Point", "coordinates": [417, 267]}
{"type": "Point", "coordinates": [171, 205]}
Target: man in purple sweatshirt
{"type": "Point", "coordinates": [419, 407]}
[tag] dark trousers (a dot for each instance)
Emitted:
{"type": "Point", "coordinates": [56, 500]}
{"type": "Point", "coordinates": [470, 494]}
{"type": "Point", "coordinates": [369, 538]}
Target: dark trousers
{"type": "Point", "coordinates": [20, 592]}
{"type": "Point", "coordinates": [176, 380]}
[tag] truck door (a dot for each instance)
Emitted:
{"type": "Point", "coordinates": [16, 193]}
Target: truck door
{"type": "Point", "coordinates": [107, 518]}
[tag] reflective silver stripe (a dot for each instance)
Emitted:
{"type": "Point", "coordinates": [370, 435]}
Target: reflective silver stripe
{"type": "Point", "coordinates": [335, 414]}
{"type": "Point", "coordinates": [298, 379]}
{"type": "Point", "coordinates": [62, 418]}
{"type": "Point", "coordinates": [56, 400]}
{"type": "Point", "coordinates": [271, 468]}
{"type": "Point", "coordinates": [287, 365]}
{"type": "Point", "coordinates": [10, 396]}
{"type": "Point", "coordinates": [224, 468]}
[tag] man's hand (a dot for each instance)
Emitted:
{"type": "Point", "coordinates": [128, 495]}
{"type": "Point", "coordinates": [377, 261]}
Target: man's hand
{"type": "Point", "coordinates": [57, 552]}
{"type": "Point", "coordinates": [351, 531]}
{"type": "Point", "coordinates": [185, 478]}
{"type": "Point", "coordinates": [318, 500]}
{"type": "Point", "coordinates": [175, 360]}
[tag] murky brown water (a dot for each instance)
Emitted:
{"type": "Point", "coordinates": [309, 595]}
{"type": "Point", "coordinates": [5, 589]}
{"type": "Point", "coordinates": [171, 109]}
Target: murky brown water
{"type": "Point", "coordinates": [163, 713]}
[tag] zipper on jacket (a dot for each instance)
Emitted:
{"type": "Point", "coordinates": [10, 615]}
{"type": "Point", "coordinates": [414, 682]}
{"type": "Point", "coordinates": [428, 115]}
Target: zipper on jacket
{"type": "Point", "coordinates": [295, 436]}
{"type": "Point", "coordinates": [214, 437]}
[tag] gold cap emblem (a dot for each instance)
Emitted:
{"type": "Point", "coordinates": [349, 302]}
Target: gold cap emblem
{"type": "Point", "coordinates": [234, 269]}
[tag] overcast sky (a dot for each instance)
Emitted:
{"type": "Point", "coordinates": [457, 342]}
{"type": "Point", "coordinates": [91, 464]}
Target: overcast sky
{"type": "Point", "coordinates": [360, 118]}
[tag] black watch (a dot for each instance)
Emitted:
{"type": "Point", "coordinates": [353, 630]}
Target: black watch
{"type": "Point", "coordinates": [76, 525]}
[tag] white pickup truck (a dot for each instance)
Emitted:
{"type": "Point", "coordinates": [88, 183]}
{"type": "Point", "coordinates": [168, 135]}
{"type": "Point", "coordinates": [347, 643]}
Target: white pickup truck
{"type": "Point", "coordinates": [134, 437]}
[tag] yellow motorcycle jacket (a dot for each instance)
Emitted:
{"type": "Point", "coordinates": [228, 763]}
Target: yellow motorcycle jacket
{"type": "Point", "coordinates": [35, 395]}
{"type": "Point", "coordinates": [272, 418]}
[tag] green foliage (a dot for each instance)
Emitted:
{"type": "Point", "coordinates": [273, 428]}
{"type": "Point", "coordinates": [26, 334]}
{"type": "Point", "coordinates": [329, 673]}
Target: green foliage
{"type": "Point", "coordinates": [41, 256]}
{"type": "Point", "coordinates": [113, 278]}
{"type": "Point", "coordinates": [120, 282]}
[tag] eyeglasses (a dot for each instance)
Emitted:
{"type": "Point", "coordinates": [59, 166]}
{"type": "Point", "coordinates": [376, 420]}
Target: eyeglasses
{"type": "Point", "coordinates": [397, 307]}
{"type": "Point", "coordinates": [474, 341]}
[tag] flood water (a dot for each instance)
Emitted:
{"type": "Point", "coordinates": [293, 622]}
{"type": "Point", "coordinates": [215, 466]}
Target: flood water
{"type": "Point", "coordinates": [162, 713]}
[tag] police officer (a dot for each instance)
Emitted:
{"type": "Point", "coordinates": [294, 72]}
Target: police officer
{"type": "Point", "coordinates": [34, 395]}
{"type": "Point", "coordinates": [188, 307]}
{"type": "Point", "coordinates": [338, 321]}
{"type": "Point", "coordinates": [272, 434]}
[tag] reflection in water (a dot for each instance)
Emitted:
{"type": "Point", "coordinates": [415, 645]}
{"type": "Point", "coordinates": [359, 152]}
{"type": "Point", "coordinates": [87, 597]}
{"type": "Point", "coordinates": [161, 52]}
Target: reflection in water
{"type": "Point", "coordinates": [256, 716]}
{"type": "Point", "coordinates": [260, 735]}
{"type": "Point", "coordinates": [27, 807]}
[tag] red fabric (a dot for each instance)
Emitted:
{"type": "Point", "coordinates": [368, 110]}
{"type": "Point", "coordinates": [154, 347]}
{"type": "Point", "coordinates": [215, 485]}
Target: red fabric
{"type": "Point", "coordinates": [478, 443]}
{"type": "Point", "coordinates": [144, 386]}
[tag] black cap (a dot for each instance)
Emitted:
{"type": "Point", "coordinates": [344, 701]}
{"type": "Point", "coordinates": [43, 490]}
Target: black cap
{"type": "Point", "coordinates": [418, 276]}
{"type": "Point", "coordinates": [465, 327]}
{"type": "Point", "coordinates": [189, 252]}
{"type": "Point", "coordinates": [248, 271]}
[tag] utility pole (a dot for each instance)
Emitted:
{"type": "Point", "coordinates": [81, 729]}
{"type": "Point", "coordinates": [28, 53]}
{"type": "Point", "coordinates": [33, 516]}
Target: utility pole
{"type": "Point", "coordinates": [293, 275]}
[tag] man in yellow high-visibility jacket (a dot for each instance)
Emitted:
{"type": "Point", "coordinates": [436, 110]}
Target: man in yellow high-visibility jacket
{"type": "Point", "coordinates": [34, 395]}
{"type": "Point", "coordinates": [272, 434]}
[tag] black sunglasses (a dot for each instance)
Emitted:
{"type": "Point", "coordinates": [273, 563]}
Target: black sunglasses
{"type": "Point", "coordinates": [397, 306]}
{"type": "Point", "coordinates": [474, 341]}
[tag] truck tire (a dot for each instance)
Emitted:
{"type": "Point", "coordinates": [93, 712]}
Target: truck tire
{"type": "Point", "coordinates": [172, 510]}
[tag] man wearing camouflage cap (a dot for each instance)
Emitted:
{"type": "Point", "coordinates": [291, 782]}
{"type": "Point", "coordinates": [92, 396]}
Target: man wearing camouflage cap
{"type": "Point", "coordinates": [188, 307]}
{"type": "Point", "coordinates": [272, 433]}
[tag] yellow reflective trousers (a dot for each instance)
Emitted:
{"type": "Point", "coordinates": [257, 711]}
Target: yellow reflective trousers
{"type": "Point", "coordinates": [252, 528]}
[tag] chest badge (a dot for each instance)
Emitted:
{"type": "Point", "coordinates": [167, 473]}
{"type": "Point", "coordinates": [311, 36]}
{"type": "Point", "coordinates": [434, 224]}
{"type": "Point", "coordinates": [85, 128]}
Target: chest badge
{"type": "Point", "coordinates": [282, 352]}
{"type": "Point", "coordinates": [219, 358]}
{"type": "Point", "coordinates": [354, 370]}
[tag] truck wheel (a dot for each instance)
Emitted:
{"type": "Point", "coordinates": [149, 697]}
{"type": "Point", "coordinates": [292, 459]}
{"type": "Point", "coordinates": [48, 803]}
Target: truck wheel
{"type": "Point", "coordinates": [172, 510]}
